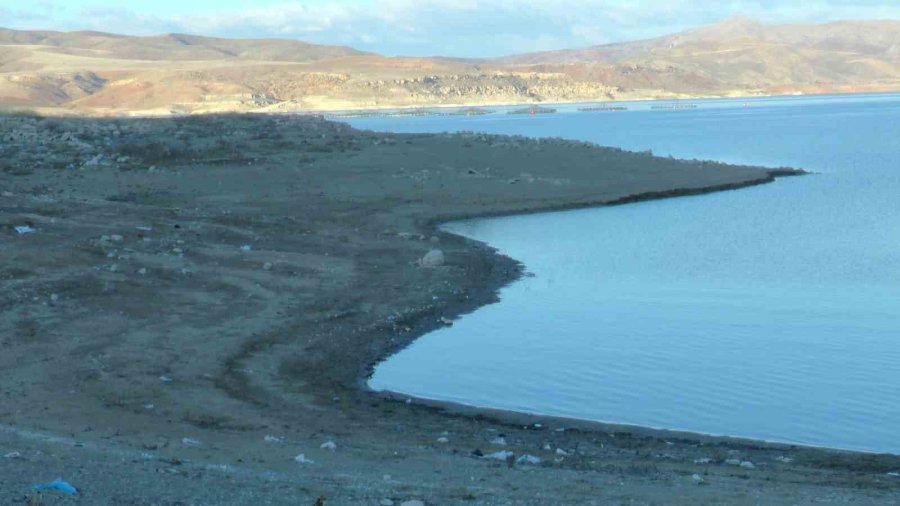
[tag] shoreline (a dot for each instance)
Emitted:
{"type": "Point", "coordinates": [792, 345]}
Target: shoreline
{"type": "Point", "coordinates": [216, 289]}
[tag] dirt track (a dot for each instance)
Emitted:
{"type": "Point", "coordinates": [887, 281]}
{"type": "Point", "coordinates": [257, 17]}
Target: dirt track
{"type": "Point", "coordinates": [194, 285]}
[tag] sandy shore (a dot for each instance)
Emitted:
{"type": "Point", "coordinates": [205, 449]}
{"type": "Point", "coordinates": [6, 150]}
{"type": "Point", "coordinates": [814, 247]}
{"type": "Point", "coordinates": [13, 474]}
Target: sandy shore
{"type": "Point", "coordinates": [197, 301]}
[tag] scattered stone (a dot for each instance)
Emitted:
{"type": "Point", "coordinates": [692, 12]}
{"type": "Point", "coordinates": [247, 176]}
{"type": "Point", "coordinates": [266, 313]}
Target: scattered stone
{"type": "Point", "coordinates": [432, 259]}
{"type": "Point", "coordinates": [329, 445]}
{"type": "Point", "coordinates": [187, 441]}
{"type": "Point", "coordinates": [301, 459]}
{"type": "Point", "coordinates": [501, 455]}
{"type": "Point", "coordinates": [529, 459]}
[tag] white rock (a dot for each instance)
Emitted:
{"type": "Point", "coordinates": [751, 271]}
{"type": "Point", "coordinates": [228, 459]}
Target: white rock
{"type": "Point", "coordinates": [434, 258]}
{"type": "Point", "coordinates": [529, 459]}
{"type": "Point", "coordinates": [329, 445]}
{"type": "Point", "coordinates": [301, 459]}
{"type": "Point", "coordinates": [187, 441]}
{"type": "Point", "coordinates": [501, 455]}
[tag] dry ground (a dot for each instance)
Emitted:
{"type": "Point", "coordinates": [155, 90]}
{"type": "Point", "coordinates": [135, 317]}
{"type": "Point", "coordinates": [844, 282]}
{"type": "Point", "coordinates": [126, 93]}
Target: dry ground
{"type": "Point", "coordinates": [201, 300]}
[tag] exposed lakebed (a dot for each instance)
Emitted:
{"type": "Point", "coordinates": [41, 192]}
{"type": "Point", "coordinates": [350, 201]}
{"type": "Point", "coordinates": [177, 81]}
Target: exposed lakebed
{"type": "Point", "coordinates": [769, 312]}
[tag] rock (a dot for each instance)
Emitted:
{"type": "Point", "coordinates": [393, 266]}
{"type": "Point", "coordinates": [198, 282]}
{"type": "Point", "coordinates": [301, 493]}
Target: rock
{"type": "Point", "coordinates": [432, 259]}
{"type": "Point", "coordinates": [187, 441]}
{"type": "Point", "coordinates": [301, 459]}
{"type": "Point", "coordinates": [529, 459]}
{"type": "Point", "coordinates": [93, 162]}
{"type": "Point", "coordinates": [329, 445]}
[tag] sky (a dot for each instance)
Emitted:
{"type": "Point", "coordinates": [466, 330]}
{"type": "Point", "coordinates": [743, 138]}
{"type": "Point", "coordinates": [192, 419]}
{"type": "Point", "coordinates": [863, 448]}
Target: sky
{"type": "Point", "coordinates": [465, 28]}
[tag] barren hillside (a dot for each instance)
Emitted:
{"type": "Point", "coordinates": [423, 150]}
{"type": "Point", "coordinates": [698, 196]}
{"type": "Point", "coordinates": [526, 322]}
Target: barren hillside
{"type": "Point", "coordinates": [101, 73]}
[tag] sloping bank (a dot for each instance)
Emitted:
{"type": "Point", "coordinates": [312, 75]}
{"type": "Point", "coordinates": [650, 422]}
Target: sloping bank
{"type": "Point", "coordinates": [216, 290]}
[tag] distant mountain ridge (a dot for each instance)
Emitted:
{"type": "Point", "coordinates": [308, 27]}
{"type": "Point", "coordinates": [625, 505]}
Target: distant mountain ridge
{"type": "Point", "coordinates": [100, 73]}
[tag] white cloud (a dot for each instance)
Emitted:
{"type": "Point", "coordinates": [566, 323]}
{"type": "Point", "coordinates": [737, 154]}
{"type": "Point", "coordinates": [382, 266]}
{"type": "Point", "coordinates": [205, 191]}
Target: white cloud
{"type": "Point", "coordinates": [453, 27]}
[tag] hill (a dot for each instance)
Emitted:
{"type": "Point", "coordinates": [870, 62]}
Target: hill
{"type": "Point", "coordinates": [101, 73]}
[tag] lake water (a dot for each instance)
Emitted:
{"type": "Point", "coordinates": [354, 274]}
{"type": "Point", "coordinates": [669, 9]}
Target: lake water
{"type": "Point", "coordinates": [771, 312]}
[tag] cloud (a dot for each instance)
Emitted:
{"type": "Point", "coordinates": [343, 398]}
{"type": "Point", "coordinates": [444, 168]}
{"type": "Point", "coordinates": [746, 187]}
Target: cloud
{"type": "Point", "coordinates": [452, 27]}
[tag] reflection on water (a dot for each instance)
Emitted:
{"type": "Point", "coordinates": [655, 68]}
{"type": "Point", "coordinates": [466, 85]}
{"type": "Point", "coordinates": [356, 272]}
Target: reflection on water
{"type": "Point", "coordinates": [769, 312]}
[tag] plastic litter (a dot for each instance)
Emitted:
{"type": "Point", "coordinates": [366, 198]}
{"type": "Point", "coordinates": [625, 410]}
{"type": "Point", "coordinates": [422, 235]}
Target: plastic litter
{"type": "Point", "coordinates": [501, 455]}
{"type": "Point", "coordinates": [329, 445]}
{"type": "Point", "coordinates": [24, 229]}
{"type": "Point", "coordinates": [58, 484]}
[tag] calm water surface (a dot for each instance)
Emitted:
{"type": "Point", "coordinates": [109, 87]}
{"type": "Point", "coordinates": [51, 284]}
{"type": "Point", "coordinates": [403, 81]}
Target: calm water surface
{"type": "Point", "coordinates": [771, 312]}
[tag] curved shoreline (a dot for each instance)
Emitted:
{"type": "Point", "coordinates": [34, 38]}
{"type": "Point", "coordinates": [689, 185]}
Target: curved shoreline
{"type": "Point", "coordinates": [215, 291]}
